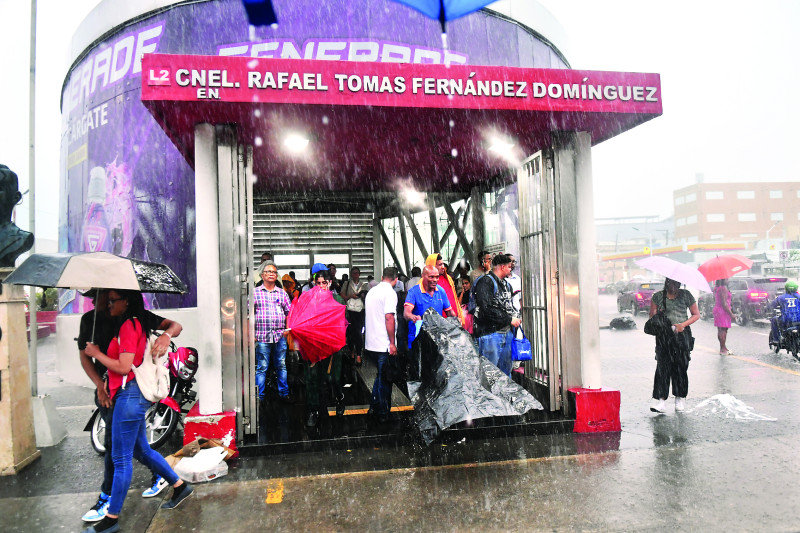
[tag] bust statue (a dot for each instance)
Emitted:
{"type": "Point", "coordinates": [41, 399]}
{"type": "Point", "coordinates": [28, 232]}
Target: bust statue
{"type": "Point", "coordinates": [13, 241]}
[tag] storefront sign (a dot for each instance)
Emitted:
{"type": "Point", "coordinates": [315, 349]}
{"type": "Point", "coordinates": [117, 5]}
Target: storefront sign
{"type": "Point", "coordinates": [293, 81]}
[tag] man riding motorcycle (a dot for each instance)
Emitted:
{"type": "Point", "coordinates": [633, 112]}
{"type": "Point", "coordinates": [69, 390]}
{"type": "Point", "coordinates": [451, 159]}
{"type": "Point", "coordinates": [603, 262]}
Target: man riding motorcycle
{"type": "Point", "coordinates": [788, 304]}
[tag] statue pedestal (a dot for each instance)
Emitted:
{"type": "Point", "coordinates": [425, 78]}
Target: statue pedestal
{"type": "Point", "coordinates": [17, 437]}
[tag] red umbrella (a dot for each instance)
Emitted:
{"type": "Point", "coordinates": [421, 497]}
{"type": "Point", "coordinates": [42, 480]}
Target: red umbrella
{"type": "Point", "coordinates": [317, 324]}
{"type": "Point", "coordinates": [724, 266]}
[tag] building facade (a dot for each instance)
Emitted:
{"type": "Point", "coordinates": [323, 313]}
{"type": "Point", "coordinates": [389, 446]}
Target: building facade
{"type": "Point", "coordinates": [764, 215]}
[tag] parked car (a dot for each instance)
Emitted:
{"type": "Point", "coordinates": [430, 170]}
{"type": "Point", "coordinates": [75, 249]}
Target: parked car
{"type": "Point", "coordinates": [635, 296]}
{"type": "Point", "coordinates": [612, 288]}
{"type": "Point", "coordinates": [750, 298]}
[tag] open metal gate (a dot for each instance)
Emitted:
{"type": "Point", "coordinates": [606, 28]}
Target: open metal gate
{"type": "Point", "coordinates": [235, 193]}
{"type": "Point", "coordinates": [540, 282]}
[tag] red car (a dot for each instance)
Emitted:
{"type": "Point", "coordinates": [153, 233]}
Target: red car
{"type": "Point", "coordinates": [636, 295]}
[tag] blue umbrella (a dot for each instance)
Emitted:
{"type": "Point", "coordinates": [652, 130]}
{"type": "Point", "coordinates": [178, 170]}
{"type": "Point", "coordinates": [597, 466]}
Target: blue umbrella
{"type": "Point", "coordinates": [444, 10]}
{"type": "Point", "coordinates": [260, 12]}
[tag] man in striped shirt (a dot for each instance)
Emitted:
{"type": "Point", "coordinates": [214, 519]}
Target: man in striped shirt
{"type": "Point", "coordinates": [271, 306]}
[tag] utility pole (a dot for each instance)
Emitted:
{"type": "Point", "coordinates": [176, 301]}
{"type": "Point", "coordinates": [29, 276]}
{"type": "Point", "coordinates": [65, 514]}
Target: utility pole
{"type": "Point", "coordinates": [32, 307]}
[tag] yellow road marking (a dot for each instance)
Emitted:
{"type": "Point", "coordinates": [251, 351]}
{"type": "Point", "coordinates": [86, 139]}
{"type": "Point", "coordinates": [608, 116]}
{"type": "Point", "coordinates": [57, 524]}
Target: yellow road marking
{"type": "Point", "coordinates": [773, 367]}
{"type": "Point", "coordinates": [754, 361]}
{"type": "Point", "coordinates": [417, 469]}
{"type": "Point", "coordinates": [274, 491]}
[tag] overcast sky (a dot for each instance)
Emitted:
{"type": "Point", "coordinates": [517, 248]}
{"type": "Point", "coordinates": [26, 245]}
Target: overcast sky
{"type": "Point", "coordinates": [729, 77]}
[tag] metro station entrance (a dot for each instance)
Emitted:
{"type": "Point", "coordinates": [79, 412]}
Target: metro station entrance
{"type": "Point", "coordinates": [386, 159]}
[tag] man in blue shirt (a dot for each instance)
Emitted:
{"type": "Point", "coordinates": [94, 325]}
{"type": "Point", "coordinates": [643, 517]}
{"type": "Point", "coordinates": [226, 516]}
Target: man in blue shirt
{"type": "Point", "coordinates": [419, 299]}
{"type": "Point", "coordinates": [789, 306]}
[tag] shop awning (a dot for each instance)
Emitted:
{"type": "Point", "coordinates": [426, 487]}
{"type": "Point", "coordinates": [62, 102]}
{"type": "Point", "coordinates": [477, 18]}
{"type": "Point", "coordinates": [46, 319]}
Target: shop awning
{"type": "Point", "coordinates": [356, 126]}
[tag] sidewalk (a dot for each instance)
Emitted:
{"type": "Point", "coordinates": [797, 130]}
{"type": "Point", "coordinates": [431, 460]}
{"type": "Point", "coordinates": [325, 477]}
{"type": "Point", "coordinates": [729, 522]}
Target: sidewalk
{"type": "Point", "coordinates": [696, 471]}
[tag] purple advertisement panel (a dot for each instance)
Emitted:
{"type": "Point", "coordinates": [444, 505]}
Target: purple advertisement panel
{"type": "Point", "coordinates": [125, 189]}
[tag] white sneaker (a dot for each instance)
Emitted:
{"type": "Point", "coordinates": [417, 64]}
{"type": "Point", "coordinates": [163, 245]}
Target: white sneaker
{"type": "Point", "coordinates": [99, 510]}
{"type": "Point", "coordinates": [659, 407]}
{"type": "Point", "coordinates": [680, 405]}
{"type": "Point", "coordinates": [159, 484]}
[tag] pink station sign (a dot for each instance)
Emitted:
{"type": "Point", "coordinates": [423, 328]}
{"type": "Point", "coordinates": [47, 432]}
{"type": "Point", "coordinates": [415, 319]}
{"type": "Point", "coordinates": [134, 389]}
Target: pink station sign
{"type": "Point", "coordinates": [192, 78]}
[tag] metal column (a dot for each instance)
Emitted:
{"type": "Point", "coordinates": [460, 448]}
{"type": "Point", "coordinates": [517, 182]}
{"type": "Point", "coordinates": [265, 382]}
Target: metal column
{"type": "Point", "coordinates": [209, 374]}
{"type": "Point", "coordinates": [577, 259]}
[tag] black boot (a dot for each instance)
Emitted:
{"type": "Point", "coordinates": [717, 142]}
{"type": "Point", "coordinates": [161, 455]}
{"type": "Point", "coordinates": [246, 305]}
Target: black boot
{"type": "Point", "coordinates": [313, 418]}
{"type": "Point", "coordinates": [340, 406]}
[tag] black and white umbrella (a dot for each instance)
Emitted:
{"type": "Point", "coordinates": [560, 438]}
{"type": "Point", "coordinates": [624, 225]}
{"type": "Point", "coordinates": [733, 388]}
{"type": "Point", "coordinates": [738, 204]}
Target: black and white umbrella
{"type": "Point", "coordinates": [87, 270]}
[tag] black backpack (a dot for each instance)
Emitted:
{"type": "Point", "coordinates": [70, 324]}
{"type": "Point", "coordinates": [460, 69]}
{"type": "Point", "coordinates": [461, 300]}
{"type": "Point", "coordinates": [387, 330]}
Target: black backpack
{"type": "Point", "coordinates": [471, 304]}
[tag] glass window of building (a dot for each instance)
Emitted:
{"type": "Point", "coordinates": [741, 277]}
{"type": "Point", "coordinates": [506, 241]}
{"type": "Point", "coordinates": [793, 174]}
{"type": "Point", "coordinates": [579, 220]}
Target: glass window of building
{"type": "Point", "coordinates": [717, 236]}
{"type": "Point", "coordinates": [679, 199]}
{"type": "Point", "coordinates": [747, 217]}
{"type": "Point", "coordinates": [680, 222]}
{"type": "Point", "coordinates": [691, 219]}
{"type": "Point", "coordinates": [691, 197]}
{"type": "Point", "coordinates": [776, 217]}
{"type": "Point", "coordinates": [748, 235]}
{"type": "Point", "coordinates": [745, 195]}
{"type": "Point", "coordinates": [776, 194]}
{"type": "Point", "coordinates": [693, 238]}
{"type": "Point", "coordinates": [715, 195]}
{"type": "Point", "coordinates": [715, 217]}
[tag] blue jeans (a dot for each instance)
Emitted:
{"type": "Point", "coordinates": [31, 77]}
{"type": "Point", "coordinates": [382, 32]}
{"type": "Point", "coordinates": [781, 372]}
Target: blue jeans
{"type": "Point", "coordinates": [274, 352]}
{"type": "Point", "coordinates": [128, 441]}
{"type": "Point", "coordinates": [381, 401]}
{"type": "Point", "coordinates": [496, 347]}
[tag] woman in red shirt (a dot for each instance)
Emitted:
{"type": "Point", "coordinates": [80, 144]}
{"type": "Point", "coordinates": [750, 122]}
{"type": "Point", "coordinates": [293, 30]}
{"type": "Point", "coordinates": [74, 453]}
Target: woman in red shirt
{"type": "Point", "coordinates": [128, 424]}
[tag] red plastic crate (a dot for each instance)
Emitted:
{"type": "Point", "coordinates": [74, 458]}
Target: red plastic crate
{"type": "Point", "coordinates": [217, 426]}
{"type": "Point", "coordinates": [596, 410]}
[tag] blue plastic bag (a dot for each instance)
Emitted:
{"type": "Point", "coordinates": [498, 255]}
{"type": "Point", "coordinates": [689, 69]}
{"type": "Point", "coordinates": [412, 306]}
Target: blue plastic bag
{"type": "Point", "coordinates": [521, 348]}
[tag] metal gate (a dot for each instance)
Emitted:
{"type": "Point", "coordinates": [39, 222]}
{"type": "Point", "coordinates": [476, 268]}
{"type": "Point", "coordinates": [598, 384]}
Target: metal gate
{"type": "Point", "coordinates": [235, 192]}
{"type": "Point", "coordinates": [540, 291]}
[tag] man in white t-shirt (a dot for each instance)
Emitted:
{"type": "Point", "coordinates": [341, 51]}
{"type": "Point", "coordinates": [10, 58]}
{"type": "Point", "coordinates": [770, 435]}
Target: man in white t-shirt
{"type": "Point", "coordinates": [380, 308]}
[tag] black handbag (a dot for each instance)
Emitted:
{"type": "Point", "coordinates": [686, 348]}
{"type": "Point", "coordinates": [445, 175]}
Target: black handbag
{"type": "Point", "coordinates": [658, 324]}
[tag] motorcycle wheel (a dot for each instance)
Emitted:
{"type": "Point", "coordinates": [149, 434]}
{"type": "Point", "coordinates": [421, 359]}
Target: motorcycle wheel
{"type": "Point", "coordinates": [634, 310]}
{"type": "Point", "coordinates": [160, 423]}
{"type": "Point", "coordinates": [98, 434]}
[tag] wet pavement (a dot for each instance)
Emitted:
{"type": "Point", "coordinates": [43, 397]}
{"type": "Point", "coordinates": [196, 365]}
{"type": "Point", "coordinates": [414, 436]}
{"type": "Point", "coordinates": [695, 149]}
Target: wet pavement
{"type": "Point", "coordinates": [720, 466]}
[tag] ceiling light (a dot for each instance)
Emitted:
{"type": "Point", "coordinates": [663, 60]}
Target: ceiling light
{"type": "Point", "coordinates": [295, 143]}
{"type": "Point", "coordinates": [501, 148]}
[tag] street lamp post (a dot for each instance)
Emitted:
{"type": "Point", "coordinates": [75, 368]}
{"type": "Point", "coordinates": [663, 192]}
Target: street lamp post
{"type": "Point", "coordinates": [766, 241]}
{"type": "Point", "coordinates": [649, 238]}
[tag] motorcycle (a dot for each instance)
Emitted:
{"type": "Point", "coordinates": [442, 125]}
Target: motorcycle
{"type": "Point", "coordinates": [789, 338]}
{"type": "Point", "coordinates": [163, 417]}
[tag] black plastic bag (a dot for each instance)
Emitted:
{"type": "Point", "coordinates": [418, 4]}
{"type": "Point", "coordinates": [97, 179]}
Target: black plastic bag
{"type": "Point", "coordinates": [456, 384]}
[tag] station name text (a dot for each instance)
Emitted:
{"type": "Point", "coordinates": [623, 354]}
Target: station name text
{"type": "Point", "coordinates": [208, 84]}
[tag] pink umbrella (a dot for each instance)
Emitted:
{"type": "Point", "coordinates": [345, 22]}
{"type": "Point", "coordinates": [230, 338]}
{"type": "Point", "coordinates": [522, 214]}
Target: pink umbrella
{"type": "Point", "coordinates": [724, 266]}
{"type": "Point", "coordinates": [669, 268]}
